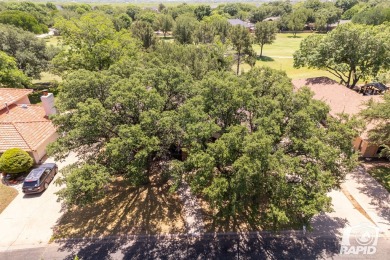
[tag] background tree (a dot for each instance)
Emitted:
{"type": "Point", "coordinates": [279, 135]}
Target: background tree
{"type": "Point", "coordinates": [93, 42]}
{"type": "Point", "coordinates": [165, 23]}
{"type": "Point", "coordinates": [220, 24]}
{"type": "Point", "coordinates": [258, 15]}
{"type": "Point", "coordinates": [346, 4]}
{"type": "Point", "coordinates": [241, 42]}
{"type": "Point", "coordinates": [30, 53]}
{"type": "Point", "coordinates": [204, 33]}
{"type": "Point", "coordinates": [265, 33]}
{"type": "Point", "coordinates": [10, 75]}
{"type": "Point", "coordinates": [343, 52]}
{"type": "Point", "coordinates": [296, 20]}
{"type": "Point", "coordinates": [201, 11]}
{"type": "Point", "coordinates": [122, 21]}
{"type": "Point", "coordinates": [184, 29]}
{"type": "Point", "coordinates": [15, 160]}
{"type": "Point", "coordinates": [22, 20]}
{"type": "Point", "coordinates": [132, 11]}
{"type": "Point", "coordinates": [379, 112]}
{"type": "Point", "coordinates": [144, 32]}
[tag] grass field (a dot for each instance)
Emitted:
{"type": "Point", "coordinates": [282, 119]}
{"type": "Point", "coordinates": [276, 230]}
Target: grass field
{"type": "Point", "coordinates": [7, 194]}
{"type": "Point", "coordinates": [279, 55]}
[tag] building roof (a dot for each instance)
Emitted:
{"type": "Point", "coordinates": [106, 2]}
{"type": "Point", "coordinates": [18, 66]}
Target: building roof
{"type": "Point", "coordinates": [23, 113]}
{"type": "Point", "coordinates": [25, 127]}
{"type": "Point", "coordinates": [12, 95]}
{"type": "Point", "coordinates": [339, 98]}
{"type": "Point", "coordinates": [235, 22]}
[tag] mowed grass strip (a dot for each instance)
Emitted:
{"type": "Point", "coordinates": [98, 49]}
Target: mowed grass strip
{"type": "Point", "coordinates": [7, 195]}
{"type": "Point", "coordinates": [279, 55]}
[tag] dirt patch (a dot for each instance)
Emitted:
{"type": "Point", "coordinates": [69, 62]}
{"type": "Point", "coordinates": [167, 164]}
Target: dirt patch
{"type": "Point", "coordinates": [125, 211]}
{"type": "Point", "coordinates": [7, 195]}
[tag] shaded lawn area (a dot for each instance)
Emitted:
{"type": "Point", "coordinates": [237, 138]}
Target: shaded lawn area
{"type": "Point", "coordinates": [382, 175]}
{"type": "Point", "coordinates": [125, 211]}
{"type": "Point", "coordinates": [7, 195]}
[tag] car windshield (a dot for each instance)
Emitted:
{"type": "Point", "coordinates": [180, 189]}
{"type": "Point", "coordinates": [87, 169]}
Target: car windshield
{"type": "Point", "coordinates": [30, 184]}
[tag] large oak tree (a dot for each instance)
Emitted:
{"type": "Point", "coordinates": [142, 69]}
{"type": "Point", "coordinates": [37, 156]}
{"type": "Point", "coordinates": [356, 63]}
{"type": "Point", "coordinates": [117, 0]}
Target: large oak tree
{"type": "Point", "coordinates": [350, 52]}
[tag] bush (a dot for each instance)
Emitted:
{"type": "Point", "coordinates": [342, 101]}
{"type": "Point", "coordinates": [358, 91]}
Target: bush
{"type": "Point", "coordinates": [15, 160]}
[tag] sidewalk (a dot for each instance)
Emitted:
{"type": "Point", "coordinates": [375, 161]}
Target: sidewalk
{"type": "Point", "coordinates": [372, 197]}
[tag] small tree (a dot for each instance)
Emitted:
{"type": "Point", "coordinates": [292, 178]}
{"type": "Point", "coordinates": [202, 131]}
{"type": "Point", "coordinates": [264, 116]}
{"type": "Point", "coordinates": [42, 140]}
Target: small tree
{"type": "Point", "coordinates": [184, 29]}
{"type": "Point", "coordinates": [164, 23]}
{"type": "Point", "coordinates": [242, 43]}
{"type": "Point", "coordinates": [265, 33]}
{"type": "Point", "coordinates": [15, 160]}
{"type": "Point", "coordinates": [296, 20]}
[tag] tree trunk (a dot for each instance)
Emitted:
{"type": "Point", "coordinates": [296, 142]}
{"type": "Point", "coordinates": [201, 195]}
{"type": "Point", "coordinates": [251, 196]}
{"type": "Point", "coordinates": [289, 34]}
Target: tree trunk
{"type": "Point", "coordinates": [349, 78]}
{"type": "Point", "coordinates": [238, 62]}
{"type": "Point", "coordinates": [261, 50]}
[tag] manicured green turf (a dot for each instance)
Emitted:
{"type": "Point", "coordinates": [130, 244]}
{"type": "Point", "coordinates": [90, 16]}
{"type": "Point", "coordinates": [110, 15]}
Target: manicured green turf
{"type": "Point", "coordinates": [279, 55]}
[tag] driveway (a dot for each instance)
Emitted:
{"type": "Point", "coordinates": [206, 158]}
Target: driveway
{"type": "Point", "coordinates": [29, 219]}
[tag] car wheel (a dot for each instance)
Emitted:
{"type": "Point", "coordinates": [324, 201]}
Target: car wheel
{"type": "Point", "coordinates": [46, 185]}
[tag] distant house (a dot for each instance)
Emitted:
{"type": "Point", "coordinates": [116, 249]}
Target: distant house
{"type": "Point", "coordinates": [334, 25]}
{"type": "Point", "coordinates": [234, 22]}
{"type": "Point", "coordinates": [23, 125]}
{"type": "Point", "coordinates": [343, 100]}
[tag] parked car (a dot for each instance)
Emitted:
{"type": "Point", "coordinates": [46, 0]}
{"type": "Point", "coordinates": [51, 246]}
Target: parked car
{"type": "Point", "coordinates": [38, 179]}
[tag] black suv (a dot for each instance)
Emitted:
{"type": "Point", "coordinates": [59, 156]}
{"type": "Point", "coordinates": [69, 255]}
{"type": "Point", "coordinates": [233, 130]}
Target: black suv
{"type": "Point", "coordinates": [38, 179]}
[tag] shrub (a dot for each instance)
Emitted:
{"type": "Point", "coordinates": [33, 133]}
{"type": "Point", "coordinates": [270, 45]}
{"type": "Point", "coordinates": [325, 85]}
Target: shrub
{"type": "Point", "coordinates": [15, 160]}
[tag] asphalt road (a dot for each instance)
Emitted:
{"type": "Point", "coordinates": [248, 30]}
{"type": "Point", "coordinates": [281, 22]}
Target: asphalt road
{"type": "Point", "coordinates": [230, 246]}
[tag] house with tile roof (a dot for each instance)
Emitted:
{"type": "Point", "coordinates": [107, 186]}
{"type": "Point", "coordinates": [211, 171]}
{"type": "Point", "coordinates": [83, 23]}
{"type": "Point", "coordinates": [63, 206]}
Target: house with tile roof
{"type": "Point", "coordinates": [23, 125]}
{"type": "Point", "coordinates": [341, 99]}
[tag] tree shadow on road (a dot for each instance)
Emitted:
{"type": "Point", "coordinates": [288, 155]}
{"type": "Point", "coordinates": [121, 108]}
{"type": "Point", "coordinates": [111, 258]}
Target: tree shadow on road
{"type": "Point", "coordinates": [231, 245]}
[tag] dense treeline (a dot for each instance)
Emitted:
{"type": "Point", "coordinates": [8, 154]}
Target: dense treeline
{"type": "Point", "coordinates": [309, 14]}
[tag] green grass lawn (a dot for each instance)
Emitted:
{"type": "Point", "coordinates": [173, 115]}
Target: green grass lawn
{"type": "Point", "coordinates": [279, 55]}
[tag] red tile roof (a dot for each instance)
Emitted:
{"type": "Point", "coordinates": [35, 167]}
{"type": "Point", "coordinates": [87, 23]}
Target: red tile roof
{"type": "Point", "coordinates": [23, 113]}
{"type": "Point", "coordinates": [24, 127]}
{"type": "Point", "coordinates": [12, 95]}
